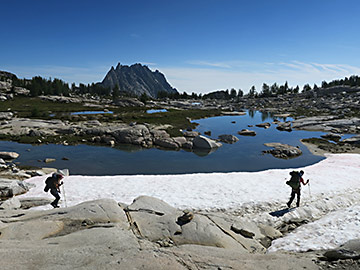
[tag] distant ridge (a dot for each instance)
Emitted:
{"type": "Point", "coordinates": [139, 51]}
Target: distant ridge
{"type": "Point", "coordinates": [5, 74]}
{"type": "Point", "coordinates": [137, 79]}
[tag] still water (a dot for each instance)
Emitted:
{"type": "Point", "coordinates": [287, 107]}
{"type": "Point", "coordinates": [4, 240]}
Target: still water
{"type": "Point", "coordinates": [244, 155]}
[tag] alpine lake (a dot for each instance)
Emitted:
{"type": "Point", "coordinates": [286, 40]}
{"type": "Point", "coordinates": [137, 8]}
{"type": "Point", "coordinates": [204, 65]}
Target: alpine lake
{"type": "Point", "coordinates": [244, 155]}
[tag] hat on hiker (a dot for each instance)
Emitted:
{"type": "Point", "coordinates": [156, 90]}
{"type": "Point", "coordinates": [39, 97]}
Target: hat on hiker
{"type": "Point", "coordinates": [301, 173]}
{"type": "Point", "coordinates": [58, 175]}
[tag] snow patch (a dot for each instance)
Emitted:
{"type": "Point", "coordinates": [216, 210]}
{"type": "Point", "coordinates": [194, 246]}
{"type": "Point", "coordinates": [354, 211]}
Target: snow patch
{"type": "Point", "coordinates": [334, 186]}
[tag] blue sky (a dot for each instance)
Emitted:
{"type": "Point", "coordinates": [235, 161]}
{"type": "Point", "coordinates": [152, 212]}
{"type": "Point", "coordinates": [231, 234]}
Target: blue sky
{"type": "Point", "coordinates": [200, 46]}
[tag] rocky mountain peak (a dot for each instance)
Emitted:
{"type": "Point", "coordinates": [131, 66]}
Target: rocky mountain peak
{"type": "Point", "coordinates": [137, 79]}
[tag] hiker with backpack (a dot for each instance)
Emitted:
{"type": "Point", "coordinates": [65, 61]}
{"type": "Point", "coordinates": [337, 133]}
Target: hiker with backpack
{"type": "Point", "coordinates": [53, 184]}
{"type": "Point", "coordinates": [295, 183]}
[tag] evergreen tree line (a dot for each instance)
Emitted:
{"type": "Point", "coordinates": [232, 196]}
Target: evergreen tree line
{"type": "Point", "coordinates": [177, 95]}
{"type": "Point", "coordinates": [92, 89]}
{"type": "Point", "coordinates": [351, 81]}
{"type": "Point", "coordinates": [41, 86]}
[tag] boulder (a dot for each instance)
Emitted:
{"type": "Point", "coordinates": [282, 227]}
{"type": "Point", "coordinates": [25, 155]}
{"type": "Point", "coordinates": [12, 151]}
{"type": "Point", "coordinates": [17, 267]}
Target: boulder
{"type": "Point", "coordinates": [246, 132]}
{"type": "Point", "coordinates": [284, 126]}
{"type": "Point", "coordinates": [228, 138]}
{"type": "Point", "coordinates": [35, 133]}
{"type": "Point", "coordinates": [283, 151]}
{"type": "Point", "coordinates": [159, 133]}
{"type": "Point", "coordinates": [137, 135]}
{"type": "Point", "coordinates": [109, 140]}
{"type": "Point", "coordinates": [9, 155]}
{"type": "Point", "coordinates": [9, 188]}
{"type": "Point", "coordinates": [205, 143]}
{"type": "Point", "coordinates": [349, 250]}
{"type": "Point", "coordinates": [180, 141]}
{"type": "Point", "coordinates": [12, 203]}
{"type": "Point", "coordinates": [270, 232]}
{"type": "Point", "coordinates": [188, 145]}
{"type": "Point", "coordinates": [95, 131]}
{"type": "Point", "coordinates": [166, 143]}
{"type": "Point", "coordinates": [191, 134]}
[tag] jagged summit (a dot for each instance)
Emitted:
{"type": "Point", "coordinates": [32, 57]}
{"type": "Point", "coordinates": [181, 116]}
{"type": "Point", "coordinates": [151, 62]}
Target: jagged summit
{"type": "Point", "coordinates": [137, 79]}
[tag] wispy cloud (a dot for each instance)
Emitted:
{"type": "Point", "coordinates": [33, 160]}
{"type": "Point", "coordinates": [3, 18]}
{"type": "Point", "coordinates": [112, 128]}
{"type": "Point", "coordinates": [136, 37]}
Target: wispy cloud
{"type": "Point", "coordinates": [148, 63]}
{"type": "Point", "coordinates": [209, 64]}
{"type": "Point", "coordinates": [203, 80]}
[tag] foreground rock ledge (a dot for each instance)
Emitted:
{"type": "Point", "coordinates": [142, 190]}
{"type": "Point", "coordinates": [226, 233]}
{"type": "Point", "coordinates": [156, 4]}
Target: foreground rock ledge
{"type": "Point", "coordinates": [148, 234]}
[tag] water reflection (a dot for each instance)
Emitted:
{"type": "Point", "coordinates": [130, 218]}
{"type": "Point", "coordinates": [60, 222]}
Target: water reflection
{"type": "Point", "coordinates": [204, 152]}
{"type": "Point", "coordinates": [252, 113]}
{"type": "Point", "coordinates": [265, 115]}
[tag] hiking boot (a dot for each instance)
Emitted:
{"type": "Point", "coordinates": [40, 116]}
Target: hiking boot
{"type": "Point", "coordinates": [288, 205]}
{"type": "Point", "coordinates": [54, 205]}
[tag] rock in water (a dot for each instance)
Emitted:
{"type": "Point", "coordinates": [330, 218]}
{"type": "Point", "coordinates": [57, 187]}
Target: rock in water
{"type": "Point", "coordinates": [331, 136]}
{"type": "Point", "coordinates": [246, 132]}
{"type": "Point", "coordinates": [9, 155]}
{"type": "Point", "coordinates": [284, 151]}
{"type": "Point", "coordinates": [205, 143]}
{"type": "Point", "coordinates": [264, 125]}
{"type": "Point", "coordinates": [228, 138]}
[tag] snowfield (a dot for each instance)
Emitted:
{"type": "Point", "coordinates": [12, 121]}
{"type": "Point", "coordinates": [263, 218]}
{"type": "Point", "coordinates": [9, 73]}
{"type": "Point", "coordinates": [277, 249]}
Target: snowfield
{"type": "Point", "coordinates": [331, 202]}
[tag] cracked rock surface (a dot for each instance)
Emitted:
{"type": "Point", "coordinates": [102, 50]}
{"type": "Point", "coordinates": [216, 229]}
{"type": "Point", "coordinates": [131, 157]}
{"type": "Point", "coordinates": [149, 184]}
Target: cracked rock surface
{"type": "Point", "coordinates": [148, 234]}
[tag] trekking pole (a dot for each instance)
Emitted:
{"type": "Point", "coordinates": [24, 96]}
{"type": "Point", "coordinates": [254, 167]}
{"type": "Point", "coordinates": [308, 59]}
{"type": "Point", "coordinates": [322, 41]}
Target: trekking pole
{"type": "Point", "coordinates": [64, 172]}
{"type": "Point", "coordinates": [309, 189]}
{"type": "Point", "coordinates": [63, 190]}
